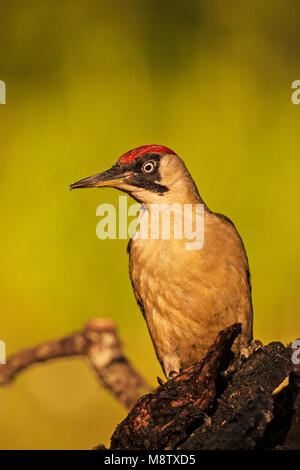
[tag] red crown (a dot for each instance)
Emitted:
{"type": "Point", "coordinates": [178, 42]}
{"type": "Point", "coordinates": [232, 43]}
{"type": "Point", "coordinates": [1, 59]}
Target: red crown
{"type": "Point", "coordinates": [140, 151]}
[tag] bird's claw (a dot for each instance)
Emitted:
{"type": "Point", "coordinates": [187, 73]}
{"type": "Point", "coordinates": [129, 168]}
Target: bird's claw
{"type": "Point", "coordinates": [246, 352]}
{"type": "Point", "coordinates": [172, 374]}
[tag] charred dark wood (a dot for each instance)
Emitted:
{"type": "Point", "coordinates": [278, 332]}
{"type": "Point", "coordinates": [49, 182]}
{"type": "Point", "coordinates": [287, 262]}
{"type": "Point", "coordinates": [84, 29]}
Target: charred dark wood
{"type": "Point", "coordinates": [203, 409]}
{"type": "Point", "coordinates": [164, 418]}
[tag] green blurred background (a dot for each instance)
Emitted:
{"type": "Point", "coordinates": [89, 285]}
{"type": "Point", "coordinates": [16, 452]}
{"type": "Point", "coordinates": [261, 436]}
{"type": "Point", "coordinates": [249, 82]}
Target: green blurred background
{"type": "Point", "coordinates": [87, 81]}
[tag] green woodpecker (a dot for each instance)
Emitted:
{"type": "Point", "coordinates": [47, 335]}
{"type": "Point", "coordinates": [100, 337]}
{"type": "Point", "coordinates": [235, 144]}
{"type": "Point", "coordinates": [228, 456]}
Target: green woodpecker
{"type": "Point", "coordinates": [186, 295]}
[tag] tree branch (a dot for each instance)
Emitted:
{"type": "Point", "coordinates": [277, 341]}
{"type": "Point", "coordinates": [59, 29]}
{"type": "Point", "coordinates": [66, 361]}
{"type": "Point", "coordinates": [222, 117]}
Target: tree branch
{"type": "Point", "coordinates": [99, 343]}
{"type": "Point", "coordinates": [199, 409]}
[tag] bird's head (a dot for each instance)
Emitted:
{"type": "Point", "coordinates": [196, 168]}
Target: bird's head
{"type": "Point", "coordinates": [151, 174]}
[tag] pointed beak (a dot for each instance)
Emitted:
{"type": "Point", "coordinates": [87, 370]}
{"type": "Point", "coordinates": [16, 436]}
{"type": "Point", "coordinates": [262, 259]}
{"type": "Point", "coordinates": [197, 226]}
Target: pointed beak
{"type": "Point", "coordinates": [111, 177]}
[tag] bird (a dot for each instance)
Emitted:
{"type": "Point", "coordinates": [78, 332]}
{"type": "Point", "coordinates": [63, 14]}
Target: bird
{"type": "Point", "coordinates": [186, 296]}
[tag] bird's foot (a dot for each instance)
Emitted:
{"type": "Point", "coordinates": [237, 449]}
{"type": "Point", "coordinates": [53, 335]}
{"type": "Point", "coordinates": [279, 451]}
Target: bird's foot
{"type": "Point", "coordinates": [172, 374]}
{"type": "Point", "coordinates": [246, 352]}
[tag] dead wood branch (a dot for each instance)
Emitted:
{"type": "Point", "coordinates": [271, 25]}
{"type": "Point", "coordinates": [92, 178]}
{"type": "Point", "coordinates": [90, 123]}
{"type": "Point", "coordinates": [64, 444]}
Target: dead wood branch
{"type": "Point", "coordinates": [99, 343]}
{"type": "Point", "coordinates": [203, 409]}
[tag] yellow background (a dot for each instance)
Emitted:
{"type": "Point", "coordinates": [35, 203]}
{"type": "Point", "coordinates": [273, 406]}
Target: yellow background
{"type": "Point", "coordinates": [87, 81]}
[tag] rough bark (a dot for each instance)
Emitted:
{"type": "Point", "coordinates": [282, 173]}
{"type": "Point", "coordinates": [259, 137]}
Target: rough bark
{"type": "Point", "coordinates": [205, 409]}
{"type": "Point", "coordinates": [202, 408]}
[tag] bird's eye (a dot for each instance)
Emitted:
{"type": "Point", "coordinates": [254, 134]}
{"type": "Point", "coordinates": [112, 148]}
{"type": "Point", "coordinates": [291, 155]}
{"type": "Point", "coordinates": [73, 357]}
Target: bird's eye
{"type": "Point", "coordinates": [148, 167]}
